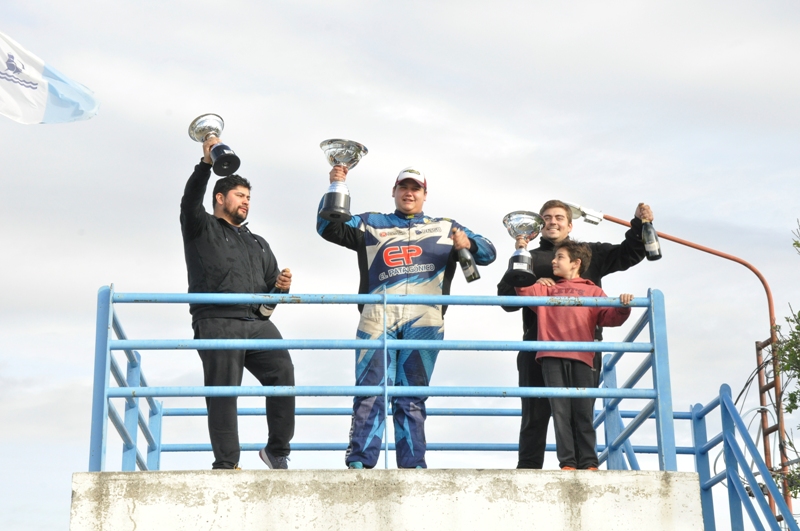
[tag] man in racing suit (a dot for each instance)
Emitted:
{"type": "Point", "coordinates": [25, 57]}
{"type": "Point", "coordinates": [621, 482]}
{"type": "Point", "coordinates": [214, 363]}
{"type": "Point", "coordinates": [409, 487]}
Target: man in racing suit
{"type": "Point", "coordinates": [405, 252]}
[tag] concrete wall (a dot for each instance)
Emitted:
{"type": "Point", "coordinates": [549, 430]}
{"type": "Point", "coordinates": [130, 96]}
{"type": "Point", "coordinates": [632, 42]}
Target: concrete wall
{"type": "Point", "coordinates": [399, 500]}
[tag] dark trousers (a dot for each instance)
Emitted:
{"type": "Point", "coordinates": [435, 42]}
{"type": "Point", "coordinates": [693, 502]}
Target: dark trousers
{"type": "Point", "coordinates": [536, 411]}
{"type": "Point", "coordinates": [226, 368]}
{"type": "Point", "coordinates": [575, 436]}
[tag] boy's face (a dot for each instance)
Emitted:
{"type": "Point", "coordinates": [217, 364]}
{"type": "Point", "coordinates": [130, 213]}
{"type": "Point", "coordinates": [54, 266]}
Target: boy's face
{"type": "Point", "coordinates": [563, 266]}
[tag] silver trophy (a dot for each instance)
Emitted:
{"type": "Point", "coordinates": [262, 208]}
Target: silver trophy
{"type": "Point", "coordinates": [223, 160]}
{"type": "Point", "coordinates": [336, 203]}
{"type": "Point", "coordinates": [520, 265]}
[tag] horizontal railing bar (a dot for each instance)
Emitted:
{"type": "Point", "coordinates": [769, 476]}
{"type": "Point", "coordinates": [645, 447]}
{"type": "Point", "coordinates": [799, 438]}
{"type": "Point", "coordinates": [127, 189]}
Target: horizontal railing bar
{"type": "Point", "coordinates": [453, 300]}
{"type": "Point", "coordinates": [347, 411]}
{"type": "Point", "coordinates": [375, 344]}
{"type": "Point", "coordinates": [375, 390]}
{"type": "Point", "coordinates": [714, 441]}
{"type": "Point", "coordinates": [431, 411]}
{"type": "Point", "coordinates": [340, 447]}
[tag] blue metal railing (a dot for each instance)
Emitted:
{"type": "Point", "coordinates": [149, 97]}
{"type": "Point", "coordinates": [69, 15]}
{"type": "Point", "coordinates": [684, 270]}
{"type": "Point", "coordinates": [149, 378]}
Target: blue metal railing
{"type": "Point", "coordinates": [132, 386]}
{"type": "Point", "coordinates": [735, 464]}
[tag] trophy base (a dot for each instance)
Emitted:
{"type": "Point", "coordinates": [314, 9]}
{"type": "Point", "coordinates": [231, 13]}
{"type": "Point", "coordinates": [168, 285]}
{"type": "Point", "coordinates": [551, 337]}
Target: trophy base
{"type": "Point", "coordinates": [520, 271]}
{"type": "Point", "coordinates": [224, 160]}
{"type": "Point", "coordinates": [336, 208]}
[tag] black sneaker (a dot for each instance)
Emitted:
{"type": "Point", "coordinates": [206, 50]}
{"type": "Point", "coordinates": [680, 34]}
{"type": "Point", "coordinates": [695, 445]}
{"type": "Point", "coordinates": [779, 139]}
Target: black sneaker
{"type": "Point", "coordinates": [277, 463]}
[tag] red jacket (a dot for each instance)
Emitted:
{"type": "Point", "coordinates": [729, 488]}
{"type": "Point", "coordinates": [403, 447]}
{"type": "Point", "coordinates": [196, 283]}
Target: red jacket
{"type": "Point", "coordinates": [572, 323]}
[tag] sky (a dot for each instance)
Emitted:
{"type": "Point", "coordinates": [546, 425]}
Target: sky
{"type": "Point", "coordinates": [691, 107]}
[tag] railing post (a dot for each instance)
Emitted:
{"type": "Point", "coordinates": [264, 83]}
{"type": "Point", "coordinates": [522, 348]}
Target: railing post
{"type": "Point", "coordinates": [154, 452]}
{"type": "Point", "coordinates": [385, 386]}
{"type": "Point", "coordinates": [134, 379]}
{"type": "Point", "coordinates": [611, 425]}
{"type": "Point", "coordinates": [97, 443]}
{"type": "Point", "coordinates": [703, 467]}
{"type": "Point", "coordinates": [665, 427]}
{"type": "Point", "coordinates": [731, 465]}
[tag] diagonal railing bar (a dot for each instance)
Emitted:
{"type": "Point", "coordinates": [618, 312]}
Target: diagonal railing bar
{"type": "Point", "coordinates": [736, 466]}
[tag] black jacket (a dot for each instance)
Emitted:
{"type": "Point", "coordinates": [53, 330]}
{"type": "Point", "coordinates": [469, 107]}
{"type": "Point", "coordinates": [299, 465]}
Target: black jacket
{"type": "Point", "coordinates": [221, 258]}
{"type": "Point", "coordinates": [607, 258]}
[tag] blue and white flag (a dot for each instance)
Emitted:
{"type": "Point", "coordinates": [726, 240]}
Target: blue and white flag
{"type": "Point", "coordinates": [32, 92]}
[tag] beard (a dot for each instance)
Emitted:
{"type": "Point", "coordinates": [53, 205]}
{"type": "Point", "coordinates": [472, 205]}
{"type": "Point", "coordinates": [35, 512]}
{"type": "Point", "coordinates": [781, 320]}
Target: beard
{"type": "Point", "coordinates": [235, 215]}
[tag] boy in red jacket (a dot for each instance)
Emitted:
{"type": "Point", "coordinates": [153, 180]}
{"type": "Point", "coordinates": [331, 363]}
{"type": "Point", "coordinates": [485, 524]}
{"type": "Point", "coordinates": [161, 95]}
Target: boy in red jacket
{"type": "Point", "coordinates": [572, 417]}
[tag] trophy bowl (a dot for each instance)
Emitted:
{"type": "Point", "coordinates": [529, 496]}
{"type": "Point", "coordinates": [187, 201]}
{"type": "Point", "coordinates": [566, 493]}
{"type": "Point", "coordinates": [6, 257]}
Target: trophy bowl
{"type": "Point", "coordinates": [520, 265]}
{"type": "Point", "coordinates": [340, 152]}
{"type": "Point", "coordinates": [223, 160]}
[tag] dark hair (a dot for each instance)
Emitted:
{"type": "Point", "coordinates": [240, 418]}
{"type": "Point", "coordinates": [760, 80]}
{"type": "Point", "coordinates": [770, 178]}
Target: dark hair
{"type": "Point", "coordinates": [555, 203]}
{"type": "Point", "coordinates": [226, 184]}
{"type": "Point", "coordinates": [576, 251]}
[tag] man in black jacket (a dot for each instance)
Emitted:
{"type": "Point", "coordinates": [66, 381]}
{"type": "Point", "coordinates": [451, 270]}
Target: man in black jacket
{"type": "Point", "coordinates": [607, 258]}
{"type": "Point", "coordinates": [223, 256]}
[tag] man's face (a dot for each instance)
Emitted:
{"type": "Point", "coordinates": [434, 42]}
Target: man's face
{"type": "Point", "coordinates": [563, 267]}
{"type": "Point", "coordinates": [235, 205]}
{"type": "Point", "coordinates": [556, 224]}
{"type": "Point", "coordinates": [409, 196]}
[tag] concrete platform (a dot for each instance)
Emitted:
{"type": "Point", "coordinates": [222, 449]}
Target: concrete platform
{"type": "Point", "coordinates": [398, 500]}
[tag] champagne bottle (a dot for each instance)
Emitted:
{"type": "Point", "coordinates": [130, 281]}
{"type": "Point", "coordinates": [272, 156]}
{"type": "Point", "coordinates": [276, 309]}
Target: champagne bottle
{"type": "Point", "coordinates": [652, 248]}
{"type": "Point", "coordinates": [468, 265]}
{"type": "Point", "coordinates": [265, 310]}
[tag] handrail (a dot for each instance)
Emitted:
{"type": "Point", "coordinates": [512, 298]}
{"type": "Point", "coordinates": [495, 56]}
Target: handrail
{"type": "Point", "coordinates": [733, 427]}
{"type": "Point", "coordinates": [133, 387]}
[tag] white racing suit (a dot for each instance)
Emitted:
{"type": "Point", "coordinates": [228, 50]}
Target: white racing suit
{"type": "Point", "coordinates": [408, 255]}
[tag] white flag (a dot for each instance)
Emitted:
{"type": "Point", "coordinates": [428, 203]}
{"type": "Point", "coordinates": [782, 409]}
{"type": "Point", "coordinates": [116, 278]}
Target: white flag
{"type": "Point", "coordinates": [32, 92]}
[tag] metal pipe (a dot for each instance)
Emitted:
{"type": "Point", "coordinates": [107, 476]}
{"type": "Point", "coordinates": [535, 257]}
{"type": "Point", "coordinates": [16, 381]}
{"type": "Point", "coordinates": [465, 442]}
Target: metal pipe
{"type": "Point", "coordinates": [772, 340]}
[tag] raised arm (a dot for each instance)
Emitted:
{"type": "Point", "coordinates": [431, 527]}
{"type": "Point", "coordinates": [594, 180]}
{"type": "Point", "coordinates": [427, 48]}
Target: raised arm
{"type": "Point", "coordinates": [609, 258]}
{"type": "Point", "coordinates": [193, 215]}
{"type": "Point", "coordinates": [346, 234]}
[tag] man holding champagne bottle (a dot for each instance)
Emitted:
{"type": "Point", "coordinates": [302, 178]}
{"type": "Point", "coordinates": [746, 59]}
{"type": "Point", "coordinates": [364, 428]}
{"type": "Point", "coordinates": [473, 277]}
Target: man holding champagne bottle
{"type": "Point", "coordinates": [408, 253]}
{"type": "Point", "coordinates": [607, 258]}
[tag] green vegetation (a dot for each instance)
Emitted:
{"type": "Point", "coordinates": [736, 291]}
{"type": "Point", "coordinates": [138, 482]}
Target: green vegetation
{"type": "Point", "coordinates": [787, 349]}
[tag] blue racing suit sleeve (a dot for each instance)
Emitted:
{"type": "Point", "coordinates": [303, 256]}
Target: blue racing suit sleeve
{"type": "Point", "coordinates": [481, 248]}
{"type": "Point", "coordinates": [345, 234]}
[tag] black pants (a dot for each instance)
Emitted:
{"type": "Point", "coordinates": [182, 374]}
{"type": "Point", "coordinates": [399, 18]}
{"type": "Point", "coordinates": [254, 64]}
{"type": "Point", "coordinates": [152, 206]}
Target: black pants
{"type": "Point", "coordinates": [575, 436]}
{"type": "Point", "coordinates": [226, 368]}
{"type": "Point", "coordinates": [536, 411]}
